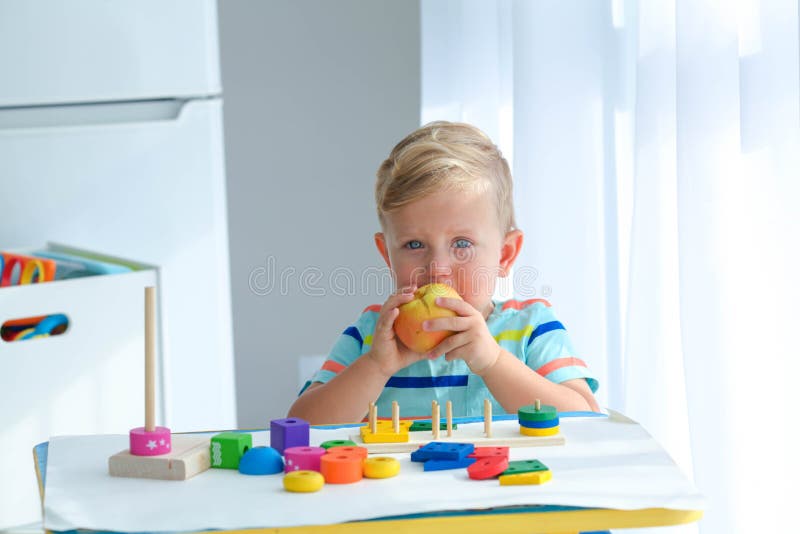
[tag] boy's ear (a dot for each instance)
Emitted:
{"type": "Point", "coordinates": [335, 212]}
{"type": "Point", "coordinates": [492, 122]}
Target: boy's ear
{"type": "Point", "coordinates": [380, 242]}
{"type": "Point", "coordinates": [512, 245]}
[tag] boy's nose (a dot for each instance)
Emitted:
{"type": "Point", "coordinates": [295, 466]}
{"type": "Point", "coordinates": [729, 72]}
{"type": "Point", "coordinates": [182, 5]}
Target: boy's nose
{"type": "Point", "coordinates": [439, 271]}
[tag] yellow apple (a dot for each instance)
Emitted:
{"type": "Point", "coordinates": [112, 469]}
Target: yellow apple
{"type": "Point", "coordinates": [408, 325]}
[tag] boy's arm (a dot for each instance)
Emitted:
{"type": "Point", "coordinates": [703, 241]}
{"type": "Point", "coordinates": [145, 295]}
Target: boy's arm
{"type": "Point", "coordinates": [343, 399]}
{"type": "Point", "coordinates": [346, 396]}
{"type": "Point", "coordinates": [514, 384]}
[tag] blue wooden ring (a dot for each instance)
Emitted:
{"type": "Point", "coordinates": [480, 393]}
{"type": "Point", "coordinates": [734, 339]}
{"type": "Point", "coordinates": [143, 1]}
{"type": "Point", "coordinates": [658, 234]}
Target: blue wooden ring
{"type": "Point", "coordinates": [539, 424]}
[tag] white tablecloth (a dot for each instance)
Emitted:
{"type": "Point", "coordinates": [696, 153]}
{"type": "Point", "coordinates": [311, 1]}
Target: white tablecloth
{"type": "Point", "coordinates": [606, 463]}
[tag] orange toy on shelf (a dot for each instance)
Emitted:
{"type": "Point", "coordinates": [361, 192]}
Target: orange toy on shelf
{"type": "Point", "coordinates": [30, 269]}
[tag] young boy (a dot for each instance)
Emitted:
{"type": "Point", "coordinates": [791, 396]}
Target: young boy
{"type": "Point", "coordinates": [444, 199]}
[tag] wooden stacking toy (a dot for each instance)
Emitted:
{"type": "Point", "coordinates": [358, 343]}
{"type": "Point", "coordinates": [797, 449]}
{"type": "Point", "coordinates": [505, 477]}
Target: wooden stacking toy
{"type": "Point", "coordinates": [308, 469]}
{"type": "Point", "coordinates": [525, 472]}
{"type": "Point", "coordinates": [381, 467]}
{"type": "Point", "coordinates": [440, 456]}
{"type": "Point", "coordinates": [509, 473]}
{"type": "Point", "coordinates": [153, 451]}
{"type": "Point", "coordinates": [227, 449]}
{"type": "Point", "coordinates": [261, 461]}
{"type": "Point", "coordinates": [394, 431]}
{"type": "Point", "coordinates": [303, 458]}
{"type": "Point", "coordinates": [337, 443]}
{"type": "Point", "coordinates": [538, 420]}
{"type": "Point", "coordinates": [303, 481]}
{"type": "Point", "coordinates": [289, 432]}
{"type": "Point", "coordinates": [341, 468]}
{"type": "Point", "coordinates": [538, 427]}
{"type": "Point", "coordinates": [358, 451]}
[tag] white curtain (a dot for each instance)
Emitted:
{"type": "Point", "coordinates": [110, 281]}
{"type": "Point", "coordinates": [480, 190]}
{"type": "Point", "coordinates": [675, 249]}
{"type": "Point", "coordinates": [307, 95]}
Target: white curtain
{"type": "Point", "coordinates": [656, 152]}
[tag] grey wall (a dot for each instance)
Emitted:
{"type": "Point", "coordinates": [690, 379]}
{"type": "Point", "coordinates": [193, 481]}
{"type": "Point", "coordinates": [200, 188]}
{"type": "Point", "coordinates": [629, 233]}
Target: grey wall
{"type": "Point", "coordinates": [316, 94]}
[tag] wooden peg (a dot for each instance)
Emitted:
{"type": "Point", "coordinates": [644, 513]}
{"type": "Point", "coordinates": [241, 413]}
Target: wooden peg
{"type": "Point", "coordinates": [449, 416]}
{"type": "Point", "coordinates": [487, 417]}
{"type": "Point", "coordinates": [149, 359]}
{"type": "Point", "coordinates": [373, 418]}
{"type": "Point", "coordinates": [150, 440]}
{"type": "Point", "coordinates": [153, 452]}
{"type": "Point", "coordinates": [435, 419]}
{"type": "Point", "coordinates": [538, 404]}
{"type": "Point", "coordinates": [395, 417]}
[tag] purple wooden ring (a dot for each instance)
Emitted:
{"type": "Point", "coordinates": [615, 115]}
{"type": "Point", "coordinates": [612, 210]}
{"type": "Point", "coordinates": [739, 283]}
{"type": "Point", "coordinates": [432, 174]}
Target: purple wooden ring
{"type": "Point", "coordinates": [154, 443]}
{"type": "Point", "coordinates": [303, 458]}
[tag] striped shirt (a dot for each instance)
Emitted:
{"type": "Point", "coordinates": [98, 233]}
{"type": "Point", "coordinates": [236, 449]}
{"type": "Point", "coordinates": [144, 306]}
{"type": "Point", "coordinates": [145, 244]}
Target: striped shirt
{"type": "Point", "coordinates": [527, 329]}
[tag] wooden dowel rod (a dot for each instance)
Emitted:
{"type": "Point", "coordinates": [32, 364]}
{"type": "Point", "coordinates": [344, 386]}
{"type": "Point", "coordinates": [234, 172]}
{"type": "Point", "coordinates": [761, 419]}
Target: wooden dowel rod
{"type": "Point", "coordinates": [395, 417]}
{"type": "Point", "coordinates": [373, 418]}
{"type": "Point", "coordinates": [487, 417]}
{"type": "Point", "coordinates": [449, 415]}
{"type": "Point", "coordinates": [150, 359]}
{"type": "Point", "coordinates": [435, 419]}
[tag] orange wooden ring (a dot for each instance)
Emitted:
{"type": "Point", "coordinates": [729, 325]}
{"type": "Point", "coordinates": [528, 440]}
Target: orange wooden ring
{"type": "Point", "coordinates": [361, 452]}
{"type": "Point", "coordinates": [341, 468]}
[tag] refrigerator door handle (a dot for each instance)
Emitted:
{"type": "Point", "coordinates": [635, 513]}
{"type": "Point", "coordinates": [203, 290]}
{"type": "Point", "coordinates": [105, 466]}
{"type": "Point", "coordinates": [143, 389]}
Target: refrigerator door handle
{"type": "Point", "coordinates": [89, 115]}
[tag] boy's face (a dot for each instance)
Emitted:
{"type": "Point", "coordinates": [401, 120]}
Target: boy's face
{"type": "Point", "coordinates": [452, 238]}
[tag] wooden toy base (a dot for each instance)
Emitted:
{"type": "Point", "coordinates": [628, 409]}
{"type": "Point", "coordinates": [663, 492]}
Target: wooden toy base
{"type": "Point", "coordinates": [508, 436]}
{"type": "Point", "coordinates": [190, 455]}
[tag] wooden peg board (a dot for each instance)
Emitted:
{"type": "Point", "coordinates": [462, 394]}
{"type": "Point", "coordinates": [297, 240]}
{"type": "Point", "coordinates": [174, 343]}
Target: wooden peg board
{"type": "Point", "coordinates": [190, 455]}
{"type": "Point", "coordinates": [502, 436]}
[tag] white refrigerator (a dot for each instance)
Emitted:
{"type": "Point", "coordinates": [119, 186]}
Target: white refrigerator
{"type": "Point", "coordinates": [111, 140]}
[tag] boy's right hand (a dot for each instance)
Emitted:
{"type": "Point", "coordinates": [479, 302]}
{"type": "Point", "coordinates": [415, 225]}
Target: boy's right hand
{"type": "Point", "coordinates": [388, 352]}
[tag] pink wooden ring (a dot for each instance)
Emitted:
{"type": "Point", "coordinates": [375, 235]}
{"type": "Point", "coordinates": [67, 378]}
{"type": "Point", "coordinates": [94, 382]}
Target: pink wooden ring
{"type": "Point", "coordinates": [303, 458]}
{"type": "Point", "coordinates": [154, 443]}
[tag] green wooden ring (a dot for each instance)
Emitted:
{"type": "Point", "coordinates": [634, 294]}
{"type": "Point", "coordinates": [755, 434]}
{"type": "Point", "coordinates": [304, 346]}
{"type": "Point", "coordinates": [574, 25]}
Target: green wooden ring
{"type": "Point", "coordinates": [337, 443]}
{"type": "Point", "coordinates": [530, 413]}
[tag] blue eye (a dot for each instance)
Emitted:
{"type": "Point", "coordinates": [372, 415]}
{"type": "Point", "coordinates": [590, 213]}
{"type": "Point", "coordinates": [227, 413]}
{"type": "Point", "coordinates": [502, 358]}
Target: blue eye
{"type": "Point", "coordinates": [462, 243]}
{"type": "Point", "coordinates": [414, 245]}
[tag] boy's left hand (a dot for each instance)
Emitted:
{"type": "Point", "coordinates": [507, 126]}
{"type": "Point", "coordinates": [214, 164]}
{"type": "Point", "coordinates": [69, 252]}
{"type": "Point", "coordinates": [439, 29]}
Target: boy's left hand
{"type": "Point", "coordinates": [472, 341]}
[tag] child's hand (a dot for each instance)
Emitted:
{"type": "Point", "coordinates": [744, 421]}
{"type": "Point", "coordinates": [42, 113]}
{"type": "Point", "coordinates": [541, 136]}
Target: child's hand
{"type": "Point", "coordinates": [472, 341]}
{"type": "Point", "coordinates": [387, 351]}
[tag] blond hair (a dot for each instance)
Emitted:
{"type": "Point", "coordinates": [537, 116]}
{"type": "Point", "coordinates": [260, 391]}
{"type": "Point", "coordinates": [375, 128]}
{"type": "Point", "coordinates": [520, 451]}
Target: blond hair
{"type": "Point", "coordinates": [445, 156]}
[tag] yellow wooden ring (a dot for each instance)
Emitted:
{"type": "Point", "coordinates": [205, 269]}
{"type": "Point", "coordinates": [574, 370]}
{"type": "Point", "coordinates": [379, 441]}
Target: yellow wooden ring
{"type": "Point", "coordinates": [303, 481]}
{"type": "Point", "coordinates": [27, 272]}
{"type": "Point", "coordinates": [381, 467]}
{"type": "Point", "coordinates": [525, 431]}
